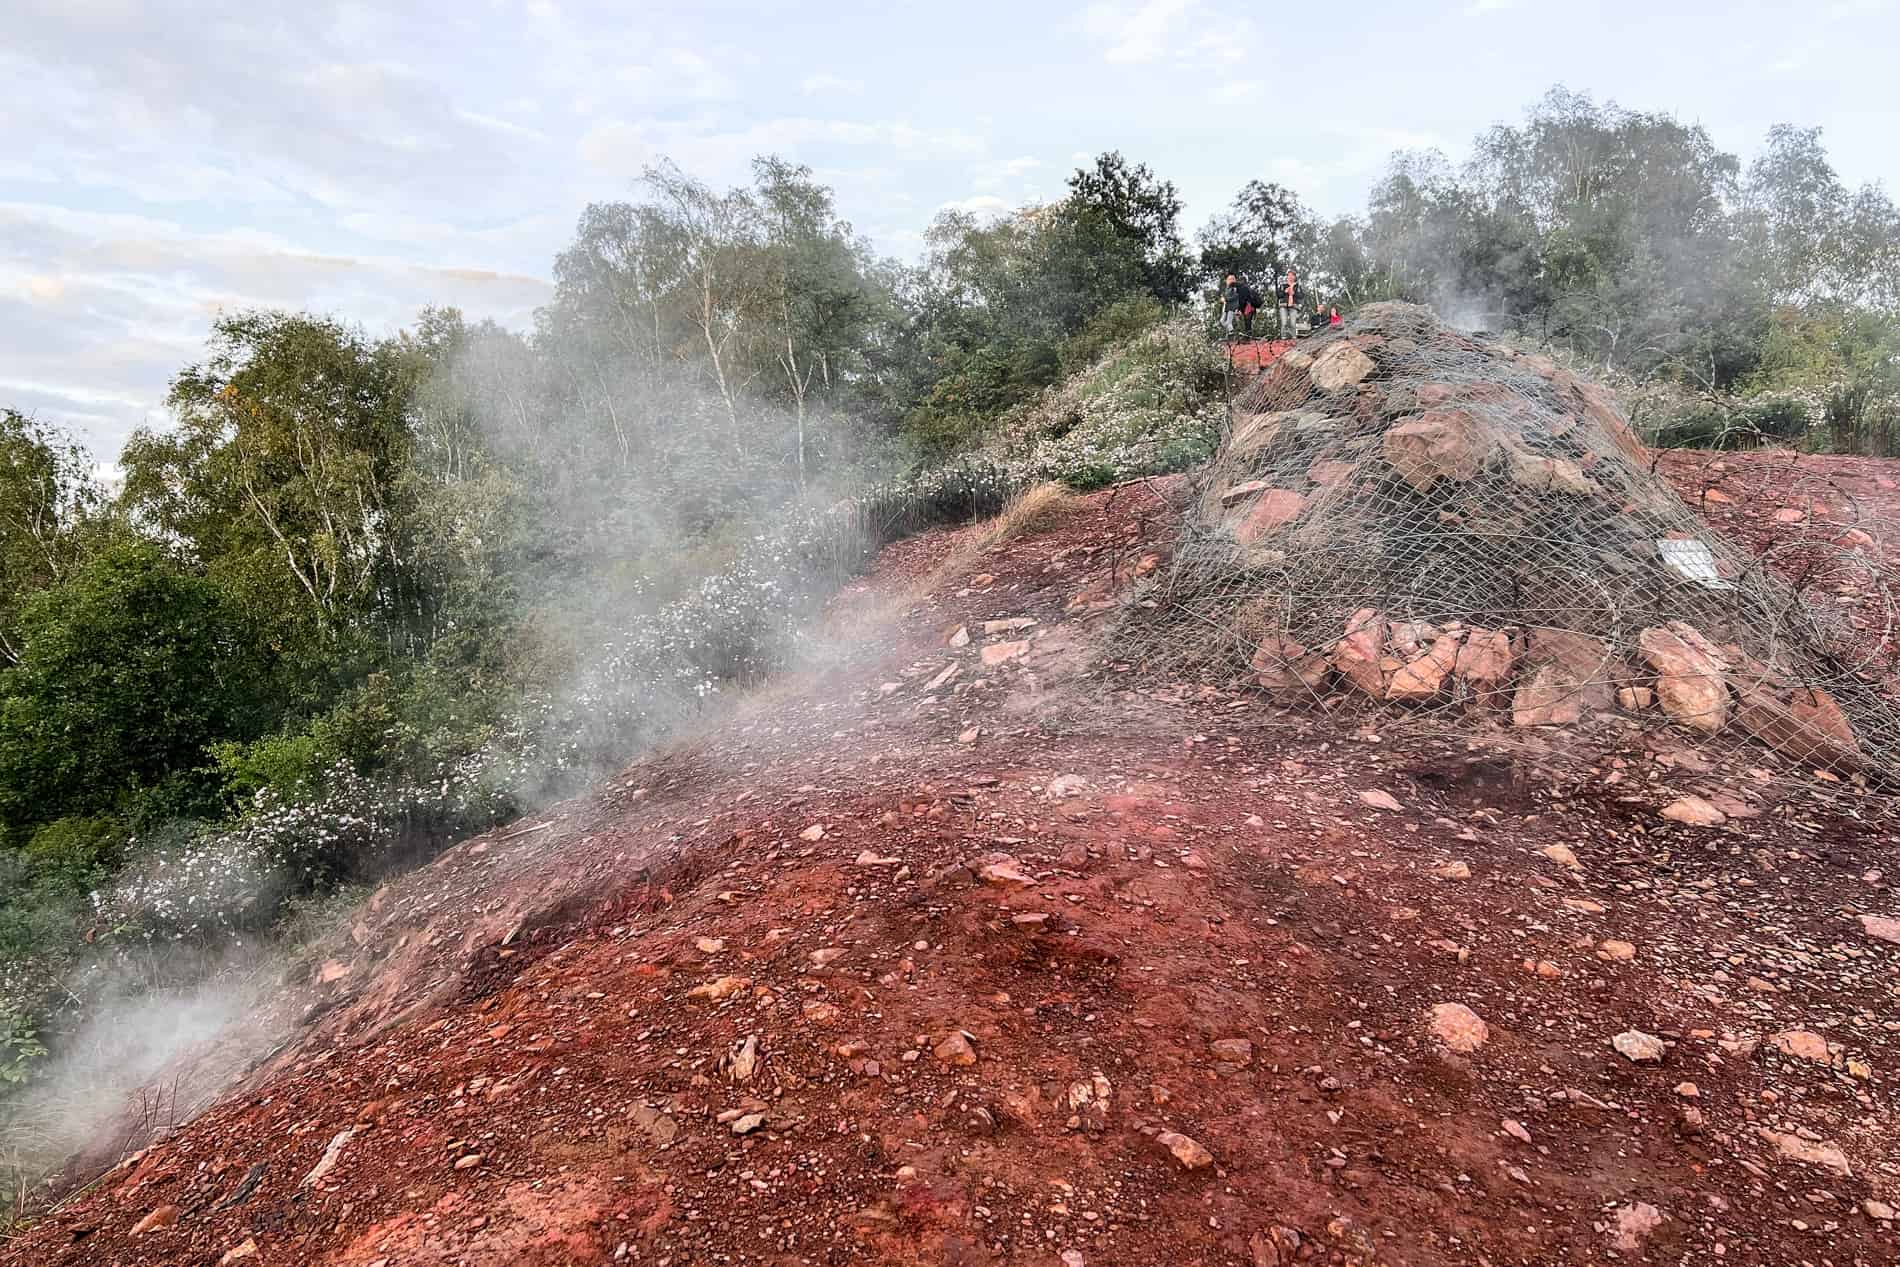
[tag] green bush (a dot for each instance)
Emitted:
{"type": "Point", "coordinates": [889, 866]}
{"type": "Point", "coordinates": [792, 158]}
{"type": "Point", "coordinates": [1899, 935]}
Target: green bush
{"type": "Point", "coordinates": [294, 763]}
{"type": "Point", "coordinates": [978, 385]}
{"type": "Point", "coordinates": [129, 669]}
{"type": "Point", "coordinates": [1744, 425]}
{"type": "Point", "coordinates": [1118, 323]}
{"type": "Point", "coordinates": [1148, 405]}
{"type": "Point", "coordinates": [20, 1046]}
{"type": "Point", "coordinates": [72, 853]}
{"type": "Point", "coordinates": [1778, 417]}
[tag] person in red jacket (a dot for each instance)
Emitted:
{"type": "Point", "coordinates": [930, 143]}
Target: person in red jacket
{"type": "Point", "coordinates": [1333, 318]}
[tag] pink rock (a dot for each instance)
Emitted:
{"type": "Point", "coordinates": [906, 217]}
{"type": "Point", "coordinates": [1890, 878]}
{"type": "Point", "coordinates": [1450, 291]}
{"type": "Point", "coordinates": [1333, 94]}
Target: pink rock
{"type": "Point", "coordinates": [1439, 444]}
{"type": "Point", "coordinates": [1276, 508]}
{"type": "Point", "coordinates": [1458, 1027]}
{"type": "Point", "coordinates": [1359, 655]}
{"type": "Point", "coordinates": [1691, 676]}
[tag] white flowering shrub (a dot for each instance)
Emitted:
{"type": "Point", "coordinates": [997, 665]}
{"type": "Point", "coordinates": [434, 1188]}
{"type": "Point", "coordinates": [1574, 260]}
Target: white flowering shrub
{"type": "Point", "coordinates": [1149, 406]}
{"type": "Point", "coordinates": [235, 875]}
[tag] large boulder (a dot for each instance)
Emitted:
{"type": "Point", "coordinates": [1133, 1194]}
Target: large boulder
{"type": "Point", "coordinates": [1600, 407]}
{"type": "Point", "coordinates": [1423, 677]}
{"type": "Point", "coordinates": [1255, 433]}
{"type": "Point", "coordinates": [1439, 444]}
{"type": "Point", "coordinates": [1691, 675]}
{"type": "Point", "coordinates": [1484, 662]}
{"type": "Point", "coordinates": [1547, 696]}
{"type": "Point", "coordinates": [1438, 395]}
{"type": "Point", "coordinates": [1328, 473]}
{"type": "Point", "coordinates": [1359, 655]}
{"type": "Point", "coordinates": [1271, 511]}
{"type": "Point", "coordinates": [1566, 675]}
{"type": "Point", "coordinates": [1547, 474]}
{"type": "Point", "coordinates": [1803, 723]}
{"type": "Point", "coordinates": [1339, 366]}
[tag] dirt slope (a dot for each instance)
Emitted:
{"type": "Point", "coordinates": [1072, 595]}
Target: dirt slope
{"type": "Point", "coordinates": [1122, 978]}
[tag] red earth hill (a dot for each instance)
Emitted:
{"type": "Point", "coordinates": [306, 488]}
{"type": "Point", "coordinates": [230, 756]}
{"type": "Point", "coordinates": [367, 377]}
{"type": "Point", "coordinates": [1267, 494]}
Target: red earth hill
{"type": "Point", "coordinates": [972, 953]}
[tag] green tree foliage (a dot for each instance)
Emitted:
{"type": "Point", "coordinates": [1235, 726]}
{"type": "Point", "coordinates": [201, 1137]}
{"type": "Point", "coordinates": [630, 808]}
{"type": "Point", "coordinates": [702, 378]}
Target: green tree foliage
{"type": "Point", "coordinates": [130, 668]}
{"type": "Point", "coordinates": [283, 475]}
{"type": "Point", "coordinates": [824, 297]}
{"type": "Point", "coordinates": [997, 302]}
{"type": "Point", "coordinates": [1627, 237]}
{"type": "Point", "coordinates": [50, 515]}
{"type": "Point", "coordinates": [1142, 213]}
{"type": "Point", "coordinates": [1260, 232]}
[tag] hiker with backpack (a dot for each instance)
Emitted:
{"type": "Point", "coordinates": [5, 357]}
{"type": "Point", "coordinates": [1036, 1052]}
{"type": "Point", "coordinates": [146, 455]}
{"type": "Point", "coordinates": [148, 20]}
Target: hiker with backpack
{"type": "Point", "coordinates": [1238, 304]}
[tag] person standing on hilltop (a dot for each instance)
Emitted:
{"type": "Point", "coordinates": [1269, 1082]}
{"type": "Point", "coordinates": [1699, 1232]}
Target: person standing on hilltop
{"type": "Point", "coordinates": [1238, 303]}
{"type": "Point", "coordinates": [1289, 294]}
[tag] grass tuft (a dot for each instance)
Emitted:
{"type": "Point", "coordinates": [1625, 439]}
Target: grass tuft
{"type": "Point", "coordinates": [1030, 511]}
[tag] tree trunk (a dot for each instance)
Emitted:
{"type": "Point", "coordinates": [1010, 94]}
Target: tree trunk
{"type": "Point", "coordinates": [714, 348]}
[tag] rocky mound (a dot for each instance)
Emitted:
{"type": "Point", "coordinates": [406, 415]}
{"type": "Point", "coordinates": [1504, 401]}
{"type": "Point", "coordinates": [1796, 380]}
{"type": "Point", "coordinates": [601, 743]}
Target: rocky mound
{"type": "Point", "coordinates": [1405, 514]}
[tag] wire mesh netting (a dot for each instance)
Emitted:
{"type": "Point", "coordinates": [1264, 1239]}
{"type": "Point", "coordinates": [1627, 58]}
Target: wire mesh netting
{"type": "Point", "coordinates": [1407, 517]}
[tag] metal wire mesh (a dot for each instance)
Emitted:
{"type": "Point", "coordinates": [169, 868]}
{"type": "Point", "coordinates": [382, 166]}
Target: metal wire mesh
{"type": "Point", "coordinates": [1405, 516]}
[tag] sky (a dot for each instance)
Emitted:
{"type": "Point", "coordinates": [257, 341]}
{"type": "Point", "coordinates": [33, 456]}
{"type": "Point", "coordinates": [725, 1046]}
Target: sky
{"type": "Point", "coordinates": [165, 160]}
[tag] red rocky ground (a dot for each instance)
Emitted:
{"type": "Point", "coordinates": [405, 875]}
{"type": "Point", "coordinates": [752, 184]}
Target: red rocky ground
{"type": "Point", "coordinates": [1256, 354]}
{"type": "Point", "coordinates": [973, 954]}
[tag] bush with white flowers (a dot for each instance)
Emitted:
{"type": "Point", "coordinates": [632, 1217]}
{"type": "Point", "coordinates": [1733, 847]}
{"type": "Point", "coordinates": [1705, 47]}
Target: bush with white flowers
{"type": "Point", "coordinates": [1148, 406]}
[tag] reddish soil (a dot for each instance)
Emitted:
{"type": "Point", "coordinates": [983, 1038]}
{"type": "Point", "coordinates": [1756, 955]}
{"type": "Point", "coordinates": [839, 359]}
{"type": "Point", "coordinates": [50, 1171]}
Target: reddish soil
{"type": "Point", "coordinates": [1825, 521]}
{"type": "Point", "coordinates": [1256, 354]}
{"type": "Point", "coordinates": [534, 1051]}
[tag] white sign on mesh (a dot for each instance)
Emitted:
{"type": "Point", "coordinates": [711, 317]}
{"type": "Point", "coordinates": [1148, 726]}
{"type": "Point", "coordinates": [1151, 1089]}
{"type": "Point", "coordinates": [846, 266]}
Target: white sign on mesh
{"type": "Point", "coordinates": [1692, 561]}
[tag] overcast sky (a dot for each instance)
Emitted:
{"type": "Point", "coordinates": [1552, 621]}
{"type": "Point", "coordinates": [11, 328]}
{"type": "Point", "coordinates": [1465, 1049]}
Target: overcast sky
{"type": "Point", "coordinates": [162, 160]}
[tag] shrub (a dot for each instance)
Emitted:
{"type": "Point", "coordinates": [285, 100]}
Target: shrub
{"type": "Point", "coordinates": [291, 763]}
{"type": "Point", "coordinates": [1149, 406]}
{"type": "Point", "coordinates": [128, 670]}
{"type": "Point", "coordinates": [1027, 512]}
{"type": "Point", "coordinates": [1708, 424]}
{"type": "Point", "coordinates": [71, 853]}
{"type": "Point", "coordinates": [20, 1046]}
{"type": "Point", "coordinates": [1116, 324]}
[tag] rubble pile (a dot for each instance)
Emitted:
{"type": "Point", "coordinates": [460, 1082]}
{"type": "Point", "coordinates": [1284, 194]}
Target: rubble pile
{"type": "Point", "coordinates": [1405, 514]}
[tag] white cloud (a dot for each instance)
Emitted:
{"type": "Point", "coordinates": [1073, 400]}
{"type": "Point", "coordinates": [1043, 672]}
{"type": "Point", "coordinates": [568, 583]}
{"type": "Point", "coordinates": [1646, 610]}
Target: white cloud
{"type": "Point", "coordinates": [1003, 174]}
{"type": "Point", "coordinates": [1478, 8]}
{"type": "Point", "coordinates": [830, 86]}
{"type": "Point", "coordinates": [983, 206]}
{"type": "Point", "coordinates": [1136, 33]}
{"type": "Point", "coordinates": [720, 153]}
{"type": "Point", "coordinates": [103, 307]}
